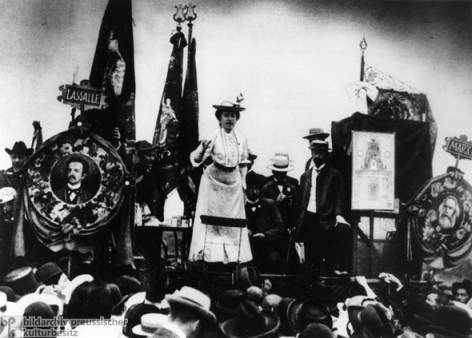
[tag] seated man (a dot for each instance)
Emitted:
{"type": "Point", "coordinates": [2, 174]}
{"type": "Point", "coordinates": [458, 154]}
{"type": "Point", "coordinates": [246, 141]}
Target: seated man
{"type": "Point", "coordinates": [282, 188]}
{"type": "Point", "coordinates": [266, 230]}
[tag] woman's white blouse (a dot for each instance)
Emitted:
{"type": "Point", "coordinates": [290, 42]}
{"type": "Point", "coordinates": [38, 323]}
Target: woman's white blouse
{"type": "Point", "coordinates": [226, 149]}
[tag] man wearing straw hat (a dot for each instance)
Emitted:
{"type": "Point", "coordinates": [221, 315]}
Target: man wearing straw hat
{"type": "Point", "coordinates": [282, 188]}
{"type": "Point", "coordinates": [320, 222]}
{"type": "Point", "coordinates": [314, 134]}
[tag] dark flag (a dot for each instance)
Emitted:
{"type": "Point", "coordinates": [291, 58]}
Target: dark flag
{"type": "Point", "coordinates": [188, 140]}
{"type": "Point", "coordinates": [168, 123]}
{"type": "Point", "coordinates": [189, 119]}
{"type": "Point", "coordinates": [167, 130]}
{"type": "Point", "coordinates": [113, 72]}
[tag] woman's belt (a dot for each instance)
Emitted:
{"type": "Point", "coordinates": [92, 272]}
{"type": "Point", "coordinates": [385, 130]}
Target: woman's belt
{"type": "Point", "coordinates": [224, 168]}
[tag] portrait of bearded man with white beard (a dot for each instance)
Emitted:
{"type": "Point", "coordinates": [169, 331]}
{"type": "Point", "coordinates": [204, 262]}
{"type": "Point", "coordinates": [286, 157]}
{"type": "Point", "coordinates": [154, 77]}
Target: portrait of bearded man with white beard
{"type": "Point", "coordinates": [449, 211]}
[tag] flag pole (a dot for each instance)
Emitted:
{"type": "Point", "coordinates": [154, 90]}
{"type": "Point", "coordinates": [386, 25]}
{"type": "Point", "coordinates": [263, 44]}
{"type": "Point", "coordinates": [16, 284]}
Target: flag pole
{"type": "Point", "coordinates": [190, 16]}
{"type": "Point", "coordinates": [363, 46]}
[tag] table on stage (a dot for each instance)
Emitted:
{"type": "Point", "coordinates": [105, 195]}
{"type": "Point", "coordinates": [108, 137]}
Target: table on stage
{"type": "Point", "coordinates": [181, 251]}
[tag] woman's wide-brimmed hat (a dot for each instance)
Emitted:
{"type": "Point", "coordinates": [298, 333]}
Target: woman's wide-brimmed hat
{"type": "Point", "coordinates": [316, 133]}
{"type": "Point", "coordinates": [252, 323]}
{"type": "Point", "coordinates": [229, 106]}
{"type": "Point", "coordinates": [280, 162]}
{"type": "Point", "coordinates": [19, 148]}
{"type": "Point", "coordinates": [193, 300]}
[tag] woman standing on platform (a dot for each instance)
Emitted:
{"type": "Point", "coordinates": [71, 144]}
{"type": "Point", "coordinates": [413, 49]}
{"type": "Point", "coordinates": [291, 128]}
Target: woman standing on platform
{"type": "Point", "coordinates": [221, 192]}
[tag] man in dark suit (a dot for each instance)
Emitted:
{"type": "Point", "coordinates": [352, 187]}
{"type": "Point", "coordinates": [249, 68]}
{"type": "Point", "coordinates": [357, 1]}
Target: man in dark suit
{"type": "Point", "coordinates": [314, 134]}
{"type": "Point", "coordinates": [19, 153]}
{"type": "Point", "coordinates": [282, 188]}
{"type": "Point", "coordinates": [74, 191]}
{"type": "Point", "coordinates": [266, 230]}
{"type": "Point", "coordinates": [320, 222]}
{"type": "Point", "coordinates": [251, 175]}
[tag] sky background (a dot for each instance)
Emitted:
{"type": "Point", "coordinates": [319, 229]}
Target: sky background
{"type": "Point", "coordinates": [290, 59]}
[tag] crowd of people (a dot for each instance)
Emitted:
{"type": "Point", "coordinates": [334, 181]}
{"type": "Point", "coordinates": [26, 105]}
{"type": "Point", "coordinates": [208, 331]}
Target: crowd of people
{"type": "Point", "coordinates": [44, 302]}
{"type": "Point", "coordinates": [243, 221]}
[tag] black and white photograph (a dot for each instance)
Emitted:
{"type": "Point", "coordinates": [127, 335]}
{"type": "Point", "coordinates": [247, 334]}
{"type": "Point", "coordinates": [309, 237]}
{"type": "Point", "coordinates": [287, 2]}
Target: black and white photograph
{"type": "Point", "coordinates": [236, 169]}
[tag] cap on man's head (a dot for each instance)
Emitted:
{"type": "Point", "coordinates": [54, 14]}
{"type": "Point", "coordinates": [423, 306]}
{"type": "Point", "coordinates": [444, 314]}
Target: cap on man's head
{"type": "Point", "coordinates": [144, 146]}
{"type": "Point", "coordinates": [316, 134]}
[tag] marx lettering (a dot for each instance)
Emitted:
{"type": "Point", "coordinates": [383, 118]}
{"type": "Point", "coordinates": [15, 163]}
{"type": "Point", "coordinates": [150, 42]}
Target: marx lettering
{"type": "Point", "coordinates": [460, 148]}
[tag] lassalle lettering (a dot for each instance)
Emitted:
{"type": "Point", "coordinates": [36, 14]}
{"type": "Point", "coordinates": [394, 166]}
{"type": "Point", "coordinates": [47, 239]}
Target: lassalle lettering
{"type": "Point", "coordinates": [79, 95]}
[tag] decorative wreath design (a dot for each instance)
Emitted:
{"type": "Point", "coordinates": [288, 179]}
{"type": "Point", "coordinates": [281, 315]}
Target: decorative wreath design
{"type": "Point", "coordinates": [441, 219]}
{"type": "Point", "coordinates": [74, 185]}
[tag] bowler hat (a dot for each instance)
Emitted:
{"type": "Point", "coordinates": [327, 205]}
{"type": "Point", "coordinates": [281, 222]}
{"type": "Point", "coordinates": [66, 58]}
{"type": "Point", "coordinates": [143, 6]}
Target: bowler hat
{"type": "Point", "coordinates": [22, 280]}
{"type": "Point", "coordinates": [19, 148]}
{"type": "Point", "coordinates": [193, 300]}
{"type": "Point", "coordinates": [11, 295]}
{"type": "Point", "coordinates": [48, 273]}
{"type": "Point", "coordinates": [143, 146]}
{"type": "Point", "coordinates": [316, 133]}
{"type": "Point", "coordinates": [227, 304]}
{"type": "Point", "coordinates": [252, 323]}
{"type": "Point", "coordinates": [300, 314]}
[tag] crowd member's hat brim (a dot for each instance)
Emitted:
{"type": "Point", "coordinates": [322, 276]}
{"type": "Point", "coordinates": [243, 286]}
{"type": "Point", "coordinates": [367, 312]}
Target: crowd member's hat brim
{"type": "Point", "coordinates": [316, 133]}
{"type": "Point", "coordinates": [298, 320]}
{"type": "Point", "coordinates": [22, 280]}
{"type": "Point", "coordinates": [144, 146]}
{"type": "Point", "coordinates": [287, 168]}
{"type": "Point", "coordinates": [149, 323]}
{"type": "Point", "coordinates": [11, 295]}
{"type": "Point", "coordinates": [7, 194]}
{"type": "Point", "coordinates": [263, 325]}
{"type": "Point", "coordinates": [178, 298]}
{"type": "Point", "coordinates": [19, 148]}
{"type": "Point", "coordinates": [227, 303]}
{"type": "Point", "coordinates": [47, 272]}
{"type": "Point", "coordinates": [54, 302]}
{"type": "Point", "coordinates": [228, 106]}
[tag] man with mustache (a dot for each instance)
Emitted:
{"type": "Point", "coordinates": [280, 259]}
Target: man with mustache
{"type": "Point", "coordinates": [74, 191]}
{"type": "Point", "coordinates": [19, 153]}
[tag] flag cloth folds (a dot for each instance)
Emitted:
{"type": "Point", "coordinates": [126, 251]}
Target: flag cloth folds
{"type": "Point", "coordinates": [190, 109]}
{"type": "Point", "coordinates": [399, 100]}
{"type": "Point", "coordinates": [113, 72]}
{"type": "Point", "coordinates": [167, 128]}
{"type": "Point", "coordinates": [188, 140]}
